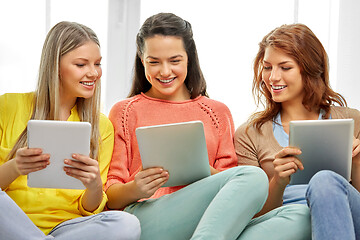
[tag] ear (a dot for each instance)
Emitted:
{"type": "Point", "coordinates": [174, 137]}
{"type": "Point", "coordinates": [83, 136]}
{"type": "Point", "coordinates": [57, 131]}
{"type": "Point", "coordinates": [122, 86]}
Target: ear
{"type": "Point", "coordinates": [142, 61]}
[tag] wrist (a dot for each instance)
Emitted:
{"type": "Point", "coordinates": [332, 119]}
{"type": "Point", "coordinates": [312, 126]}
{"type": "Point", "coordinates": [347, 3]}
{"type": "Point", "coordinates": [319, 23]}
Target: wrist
{"type": "Point", "coordinates": [14, 170]}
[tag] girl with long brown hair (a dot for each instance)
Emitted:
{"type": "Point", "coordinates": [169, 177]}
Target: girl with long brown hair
{"type": "Point", "coordinates": [291, 79]}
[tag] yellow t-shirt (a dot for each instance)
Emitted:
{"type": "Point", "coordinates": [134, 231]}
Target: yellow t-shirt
{"type": "Point", "coordinates": [46, 207]}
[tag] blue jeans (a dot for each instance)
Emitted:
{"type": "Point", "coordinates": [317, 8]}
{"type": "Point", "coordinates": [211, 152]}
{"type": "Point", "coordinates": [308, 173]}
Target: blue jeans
{"type": "Point", "coordinates": [221, 207]}
{"type": "Point", "coordinates": [111, 225]}
{"type": "Point", "coordinates": [335, 207]}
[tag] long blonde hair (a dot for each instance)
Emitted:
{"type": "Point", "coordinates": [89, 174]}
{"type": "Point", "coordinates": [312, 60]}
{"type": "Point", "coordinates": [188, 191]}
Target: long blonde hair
{"type": "Point", "coordinates": [61, 39]}
{"type": "Point", "coordinates": [300, 43]}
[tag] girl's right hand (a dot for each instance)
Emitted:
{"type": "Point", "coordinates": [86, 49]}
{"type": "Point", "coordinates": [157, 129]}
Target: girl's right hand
{"type": "Point", "coordinates": [149, 180]}
{"type": "Point", "coordinates": [29, 160]}
{"type": "Point", "coordinates": [285, 164]}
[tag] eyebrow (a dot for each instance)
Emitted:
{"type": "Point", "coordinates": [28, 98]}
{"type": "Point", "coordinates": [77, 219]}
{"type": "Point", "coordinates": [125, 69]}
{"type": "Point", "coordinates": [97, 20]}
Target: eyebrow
{"type": "Point", "coordinates": [173, 57]}
{"type": "Point", "coordinates": [284, 62]}
{"type": "Point", "coordinates": [86, 59]}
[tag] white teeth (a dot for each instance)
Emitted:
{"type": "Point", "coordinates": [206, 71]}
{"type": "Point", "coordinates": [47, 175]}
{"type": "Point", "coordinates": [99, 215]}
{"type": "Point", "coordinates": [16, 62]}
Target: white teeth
{"type": "Point", "coordinates": [278, 87]}
{"type": "Point", "coordinates": [166, 80]}
{"type": "Point", "coordinates": [88, 83]}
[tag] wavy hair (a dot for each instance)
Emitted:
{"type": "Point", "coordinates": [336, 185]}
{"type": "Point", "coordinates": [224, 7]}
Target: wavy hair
{"type": "Point", "coordinates": [168, 24]}
{"type": "Point", "coordinates": [301, 44]}
{"type": "Point", "coordinates": [61, 39]}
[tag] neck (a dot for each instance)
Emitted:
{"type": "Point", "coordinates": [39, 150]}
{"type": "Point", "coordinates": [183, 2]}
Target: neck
{"type": "Point", "coordinates": [297, 111]}
{"type": "Point", "coordinates": [65, 109]}
{"type": "Point", "coordinates": [290, 112]}
{"type": "Point", "coordinates": [180, 96]}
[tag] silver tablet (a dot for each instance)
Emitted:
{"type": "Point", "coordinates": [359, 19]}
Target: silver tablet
{"type": "Point", "coordinates": [60, 139]}
{"type": "Point", "coordinates": [325, 145]}
{"type": "Point", "coordinates": [179, 148]}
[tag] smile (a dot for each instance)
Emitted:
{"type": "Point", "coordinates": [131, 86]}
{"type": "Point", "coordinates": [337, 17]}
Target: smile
{"type": "Point", "coordinates": [166, 80]}
{"type": "Point", "coordinates": [88, 83]}
{"type": "Point", "coordinates": [278, 87]}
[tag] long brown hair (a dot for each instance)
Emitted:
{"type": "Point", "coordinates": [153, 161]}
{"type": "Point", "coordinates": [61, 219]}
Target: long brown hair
{"type": "Point", "coordinates": [168, 24]}
{"type": "Point", "coordinates": [301, 44]}
{"type": "Point", "coordinates": [61, 39]}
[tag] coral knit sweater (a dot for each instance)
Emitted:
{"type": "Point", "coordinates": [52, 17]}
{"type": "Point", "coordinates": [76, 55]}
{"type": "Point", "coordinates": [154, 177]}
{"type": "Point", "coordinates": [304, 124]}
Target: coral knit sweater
{"type": "Point", "coordinates": [141, 110]}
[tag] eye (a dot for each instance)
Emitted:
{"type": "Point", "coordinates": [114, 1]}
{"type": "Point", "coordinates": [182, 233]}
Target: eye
{"type": "Point", "coordinates": [98, 64]}
{"type": "Point", "coordinates": [267, 67]}
{"type": "Point", "coordinates": [286, 68]}
{"type": "Point", "coordinates": [175, 61]}
{"type": "Point", "coordinates": [153, 62]}
{"type": "Point", "coordinates": [80, 65]}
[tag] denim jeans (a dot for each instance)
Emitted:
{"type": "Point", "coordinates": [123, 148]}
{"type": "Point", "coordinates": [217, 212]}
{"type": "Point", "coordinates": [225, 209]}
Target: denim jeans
{"type": "Point", "coordinates": [111, 225]}
{"type": "Point", "coordinates": [221, 207]}
{"type": "Point", "coordinates": [335, 207]}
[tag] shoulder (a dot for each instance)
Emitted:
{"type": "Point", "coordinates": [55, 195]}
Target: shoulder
{"type": "Point", "coordinates": [106, 126]}
{"type": "Point", "coordinates": [344, 112]}
{"type": "Point", "coordinates": [249, 130]}
{"type": "Point", "coordinates": [214, 105]}
{"type": "Point", "coordinates": [16, 98]}
{"type": "Point", "coordinates": [125, 104]}
{"type": "Point", "coordinates": [16, 102]}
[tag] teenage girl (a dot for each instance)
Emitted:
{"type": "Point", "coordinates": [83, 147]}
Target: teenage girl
{"type": "Point", "coordinates": [68, 90]}
{"type": "Point", "coordinates": [169, 87]}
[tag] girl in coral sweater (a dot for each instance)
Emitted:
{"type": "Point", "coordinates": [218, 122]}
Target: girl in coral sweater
{"type": "Point", "coordinates": [169, 87]}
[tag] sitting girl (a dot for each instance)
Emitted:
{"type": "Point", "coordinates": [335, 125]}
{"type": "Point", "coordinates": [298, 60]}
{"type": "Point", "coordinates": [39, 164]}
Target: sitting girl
{"type": "Point", "coordinates": [169, 87]}
{"type": "Point", "coordinates": [68, 90]}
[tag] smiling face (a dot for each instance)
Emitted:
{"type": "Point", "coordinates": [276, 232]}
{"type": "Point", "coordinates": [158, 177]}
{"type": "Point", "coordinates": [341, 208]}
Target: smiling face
{"type": "Point", "coordinates": [165, 63]}
{"type": "Point", "coordinates": [282, 77]}
{"type": "Point", "coordinates": [80, 70]}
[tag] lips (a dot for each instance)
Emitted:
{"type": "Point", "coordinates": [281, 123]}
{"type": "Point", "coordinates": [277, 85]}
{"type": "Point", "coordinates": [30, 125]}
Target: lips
{"type": "Point", "coordinates": [88, 83]}
{"type": "Point", "coordinates": [167, 80]}
{"type": "Point", "coordinates": [278, 87]}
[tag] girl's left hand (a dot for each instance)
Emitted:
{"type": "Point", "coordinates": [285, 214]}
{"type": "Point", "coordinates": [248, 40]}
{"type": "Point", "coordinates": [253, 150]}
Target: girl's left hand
{"type": "Point", "coordinates": [85, 169]}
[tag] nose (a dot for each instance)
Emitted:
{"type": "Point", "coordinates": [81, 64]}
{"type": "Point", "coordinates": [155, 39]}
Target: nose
{"type": "Point", "coordinates": [93, 73]}
{"type": "Point", "coordinates": [275, 75]}
{"type": "Point", "coordinates": [165, 70]}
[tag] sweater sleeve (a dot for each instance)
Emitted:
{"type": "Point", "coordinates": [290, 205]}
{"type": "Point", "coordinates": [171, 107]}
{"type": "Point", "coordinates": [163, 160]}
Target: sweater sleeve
{"type": "Point", "coordinates": [119, 165]}
{"type": "Point", "coordinates": [245, 146]}
{"type": "Point", "coordinates": [225, 157]}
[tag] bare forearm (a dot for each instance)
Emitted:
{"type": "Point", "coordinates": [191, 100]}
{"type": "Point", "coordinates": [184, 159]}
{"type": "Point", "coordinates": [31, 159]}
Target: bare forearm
{"type": "Point", "coordinates": [92, 199]}
{"type": "Point", "coordinates": [8, 174]}
{"type": "Point", "coordinates": [275, 198]}
{"type": "Point", "coordinates": [121, 195]}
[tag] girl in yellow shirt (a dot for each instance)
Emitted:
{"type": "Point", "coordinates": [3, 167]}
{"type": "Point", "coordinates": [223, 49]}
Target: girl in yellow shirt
{"type": "Point", "coordinates": [68, 90]}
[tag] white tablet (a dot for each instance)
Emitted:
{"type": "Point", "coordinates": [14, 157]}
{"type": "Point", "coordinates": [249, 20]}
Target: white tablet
{"type": "Point", "coordinates": [60, 139]}
{"type": "Point", "coordinates": [325, 145]}
{"type": "Point", "coordinates": [179, 148]}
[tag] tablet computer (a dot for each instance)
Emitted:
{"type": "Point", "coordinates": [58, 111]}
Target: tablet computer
{"type": "Point", "coordinates": [179, 148]}
{"type": "Point", "coordinates": [60, 139]}
{"type": "Point", "coordinates": [325, 145]}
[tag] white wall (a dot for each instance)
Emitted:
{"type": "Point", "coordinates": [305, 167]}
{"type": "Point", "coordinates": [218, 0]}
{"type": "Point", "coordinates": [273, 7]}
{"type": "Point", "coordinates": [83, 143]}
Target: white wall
{"type": "Point", "coordinates": [226, 33]}
{"type": "Point", "coordinates": [348, 79]}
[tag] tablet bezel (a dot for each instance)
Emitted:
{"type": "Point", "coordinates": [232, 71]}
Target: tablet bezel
{"type": "Point", "coordinates": [60, 139]}
{"type": "Point", "coordinates": [327, 141]}
{"type": "Point", "coordinates": [168, 145]}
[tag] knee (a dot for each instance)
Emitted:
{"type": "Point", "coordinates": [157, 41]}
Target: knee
{"type": "Point", "coordinates": [323, 185]}
{"type": "Point", "coordinates": [123, 225]}
{"type": "Point", "coordinates": [324, 177]}
{"type": "Point", "coordinates": [257, 176]}
{"type": "Point", "coordinates": [254, 177]}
